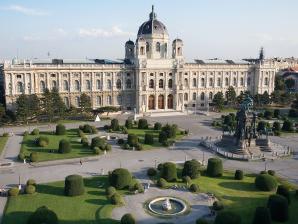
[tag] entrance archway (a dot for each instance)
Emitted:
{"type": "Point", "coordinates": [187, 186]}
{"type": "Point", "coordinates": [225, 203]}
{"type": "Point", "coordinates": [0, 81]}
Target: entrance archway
{"type": "Point", "coordinates": [170, 101]}
{"type": "Point", "coordinates": [161, 102]}
{"type": "Point", "coordinates": [151, 102]}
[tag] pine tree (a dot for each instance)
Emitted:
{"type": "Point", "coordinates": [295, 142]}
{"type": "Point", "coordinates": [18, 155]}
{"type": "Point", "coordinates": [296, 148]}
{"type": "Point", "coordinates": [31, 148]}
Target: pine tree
{"type": "Point", "coordinates": [231, 95]}
{"type": "Point", "coordinates": [22, 110]}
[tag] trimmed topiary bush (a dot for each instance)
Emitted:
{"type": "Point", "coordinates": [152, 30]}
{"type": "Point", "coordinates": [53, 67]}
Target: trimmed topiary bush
{"type": "Point", "coordinates": [120, 141]}
{"type": "Point", "coordinates": [214, 167]}
{"type": "Point", "coordinates": [278, 207]}
{"type": "Point", "coordinates": [84, 142]}
{"type": "Point", "coordinates": [162, 137]}
{"type": "Point", "coordinates": [64, 146]}
{"type": "Point", "coordinates": [126, 146]}
{"type": "Point", "coordinates": [157, 126]}
{"type": "Point", "coordinates": [87, 129]}
{"type": "Point", "coordinates": [31, 182]}
{"type": "Point", "coordinates": [151, 172]}
{"type": "Point", "coordinates": [60, 129]}
{"type": "Point", "coordinates": [108, 147]}
{"type": "Point", "coordinates": [96, 151]}
{"type": "Point", "coordinates": [116, 199]}
{"type": "Point", "coordinates": [35, 131]}
{"type": "Point", "coordinates": [284, 191]}
{"type": "Point", "coordinates": [132, 139]}
{"type": "Point", "coordinates": [227, 217]}
{"type": "Point", "coordinates": [287, 126]}
{"type": "Point", "coordinates": [191, 168]}
{"type": "Point", "coordinates": [30, 189]}
{"type": "Point", "coordinates": [129, 124]}
{"type": "Point", "coordinates": [271, 172]}
{"type": "Point", "coordinates": [169, 172]}
{"type": "Point", "coordinates": [13, 191]}
{"type": "Point", "coordinates": [160, 166]}
{"type": "Point", "coordinates": [43, 215]}
{"type": "Point", "coordinates": [94, 130]}
{"type": "Point", "coordinates": [217, 206]}
{"type": "Point", "coordinates": [98, 142]}
{"type": "Point", "coordinates": [238, 175]}
{"type": "Point", "coordinates": [33, 157]}
{"type": "Point", "coordinates": [128, 219]}
{"type": "Point", "coordinates": [74, 185]}
{"type": "Point", "coordinates": [115, 125]}
{"type": "Point", "coordinates": [162, 183]}
{"type": "Point", "coordinates": [139, 147]}
{"type": "Point", "coordinates": [43, 141]}
{"type": "Point", "coordinates": [110, 191]}
{"type": "Point", "coordinates": [186, 179]}
{"type": "Point", "coordinates": [170, 130]}
{"type": "Point", "coordinates": [26, 133]}
{"type": "Point", "coordinates": [263, 172]}
{"type": "Point", "coordinates": [120, 178]}
{"type": "Point", "coordinates": [194, 188]}
{"type": "Point", "coordinates": [143, 124]}
{"type": "Point", "coordinates": [262, 216]}
{"type": "Point", "coordinates": [149, 139]}
{"type": "Point", "coordinates": [265, 182]}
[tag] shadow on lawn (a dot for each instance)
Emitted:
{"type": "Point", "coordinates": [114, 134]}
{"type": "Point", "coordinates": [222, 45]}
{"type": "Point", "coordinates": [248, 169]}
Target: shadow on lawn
{"type": "Point", "coordinates": [49, 189]}
{"type": "Point", "coordinates": [16, 217]}
{"type": "Point", "coordinates": [239, 186]}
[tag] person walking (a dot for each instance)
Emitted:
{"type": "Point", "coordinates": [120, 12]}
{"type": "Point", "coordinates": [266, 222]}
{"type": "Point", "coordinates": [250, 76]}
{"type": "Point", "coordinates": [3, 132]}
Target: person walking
{"type": "Point", "coordinates": [81, 163]}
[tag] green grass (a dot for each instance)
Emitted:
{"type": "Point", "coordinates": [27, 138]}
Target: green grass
{"type": "Point", "coordinates": [3, 141]}
{"type": "Point", "coordinates": [141, 134]}
{"type": "Point", "coordinates": [45, 154]}
{"type": "Point", "coordinates": [91, 208]}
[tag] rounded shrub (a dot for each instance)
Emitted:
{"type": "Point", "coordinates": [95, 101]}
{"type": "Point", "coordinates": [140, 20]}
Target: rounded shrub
{"type": "Point", "coordinates": [116, 199]}
{"type": "Point", "coordinates": [110, 191]}
{"type": "Point", "coordinates": [262, 216]}
{"type": "Point", "coordinates": [98, 142]}
{"type": "Point", "coordinates": [143, 124]}
{"type": "Point", "coordinates": [94, 130]}
{"type": "Point", "coordinates": [139, 147]}
{"type": "Point", "coordinates": [33, 157]}
{"type": "Point", "coordinates": [43, 141]}
{"type": "Point", "coordinates": [238, 175]}
{"type": "Point", "coordinates": [60, 129]}
{"type": "Point", "coordinates": [128, 219]}
{"type": "Point", "coordinates": [84, 141]}
{"type": "Point", "coordinates": [30, 189]}
{"type": "Point", "coordinates": [81, 134]}
{"type": "Point", "coordinates": [162, 137]}
{"type": "Point", "coordinates": [120, 178]}
{"type": "Point", "coordinates": [157, 126]}
{"type": "Point", "coordinates": [194, 188]}
{"type": "Point", "coordinates": [96, 151]}
{"type": "Point", "coordinates": [227, 217]}
{"type": "Point", "coordinates": [64, 146]}
{"type": "Point", "coordinates": [87, 129]}
{"type": "Point", "coordinates": [126, 146]}
{"type": "Point", "coordinates": [287, 126]}
{"type": "Point", "coordinates": [120, 141]}
{"type": "Point", "coordinates": [132, 139]}
{"type": "Point", "coordinates": [149, 139]}
{"type": "Point", "coordinates": [13, 191]}
{"type": "Point", "coordinates": [169, 172]}
{"type": "Point", "coordinates": [217, 205]}
{"type": "Point", "coordinates": [214, 167]}
{"type": "Point", "coordinates": [263, 172]}
{"type": "Point", "coordinates": [43, 215]}
{"type": "Point", "coordinates": [151, 172]}
{"type": "Point", "coordinates": [35, 131]}
{"type": "Point", "coordinates": [160, 166]}
{"type": "Point", "coordinates": [26, 133]}
{"type": "Point", "coordinates": [265, 182]}
{"type": "Point", "coordinates": [115, 125]}
{"type": "Point", "coordinates": [271, 172]}
{"type": "Point", "coordinates": [276, 126]}
{"type": "Point", "coordinates": [129, 124]}
{"type": "Point", "coordinates": [186, 179]}
{"type": "Point", "coordinates": [74, 185]}
{"type": "Point", "coordinates": [162, 183]}
{"type": "Point", "coordinates": [31, 182]}
{"type": "Point", "coordinates": [284, 191]}
{"type": "Point", "coordinates": [278, 207]}
{"type": "Point", "coordinates": [191, 168]}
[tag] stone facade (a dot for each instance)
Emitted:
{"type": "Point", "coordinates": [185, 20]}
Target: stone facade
{"type": "Point", "coordinates": [151, 78]}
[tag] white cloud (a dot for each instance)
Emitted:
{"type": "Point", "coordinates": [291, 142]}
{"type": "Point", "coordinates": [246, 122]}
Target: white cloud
{"type": "Point", "coordinates": [115, 31]}
{"type": "Point", "coordinates": [25, 10]}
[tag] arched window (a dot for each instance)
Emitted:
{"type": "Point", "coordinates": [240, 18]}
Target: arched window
{"type": "Point", "coordinates": [210, 96]}
{"type": "Point", "coordinates": [128, 84]}
{"type": "Point", "coordinates": [65, 85]}
{"type": "Point", "coordinates": [266, 82]}
{"type": "Point", "coordinates": [170, 83]}
{"type": "Point", "coordinates": [186, 82]}
{"type": "Point", "coordinates": [248, 81]}
{"type": "Point", "coordinates": [118, 84]}
{"type": "Point", "coordinates": [77, 85]}
{"type": "Point", "coordinates": [218, 81]}
{"type": "Point", "coordinates": [109, 100]}
{"type": "Point", "coordinates": [202, 96]}
{"type": "Point", "coordinates": [235, 82]}
{"type": "Point", "coordinates": [88, 85]}
{"type": "Point", "coordinates": [170, 101]}
{"type": "Point", "coordinates": [42, 86]}
{"type": "Point", "coordinates": [179, 50]}
{"type": "Point", "coordinates": [160, 83]}
{"type": "Point", "coordinates": [97, 84]}
{"type": "Point", "coordinates": [185, 96]}
{"type": "Point", "coordinates": [202, 82]}
{"type": "Point", "coordinates": [194, 82]}
{"type": "Point", "coordinates": [151, 102]}
{"type": "Point", "coordinates": [119, 99]}
{"type": "Point", "coordinates": [77, 101]}
{"type": "Point", "coordinates": [20, 88]}
{"type": "Point", "coordinates": [147, 47]}
{"type": "Point", "coordinates": [151, 83]}
{"type": "Point", "coordinates": [161, 102]}
{"type": "Point", "coordinates": [158, 47]}
{"type": "Point", "coordinates": [54, 84]}
{"type": "Point", "coordinates": [211, 82]}
{"type": "Point", "coordinates": [109, 84]}
{"type": "Point", "coordinates": [226, 81]}
{"type": "Point", "coordinates": [142, 51]}
{"type": "Point", "coordinates": [194, 96]}
{"type": "Point", "coordinates": [166, 48]}
{"type": "Point", "coordinates": [98, 100]}
{"type": "Point", "coordinates": [66, 102]}
{"type": "Point", "coordinates": [241, 81]}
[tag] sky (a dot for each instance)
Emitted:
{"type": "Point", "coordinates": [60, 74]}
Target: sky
{"type": "Point", "coordinates": [226, 29]}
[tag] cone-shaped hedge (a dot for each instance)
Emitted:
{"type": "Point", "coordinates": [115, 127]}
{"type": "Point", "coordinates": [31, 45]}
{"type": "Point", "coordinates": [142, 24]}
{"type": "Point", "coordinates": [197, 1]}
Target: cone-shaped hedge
{"type": "Point", "coordinates": [262, 216]}
{"type": "Point", "coordinates": [278, 207]}
{"type": "Point", "coordinates": [284, 191]}
{"type": "Point", "coordinates": [120, 178]}
{"type": "Point", "coordinates": [74, 185]}
{"type": "Point", "coordinates": [238, 175]}
{"type": "Point", "coordinates": [60, 129]}
{"type": "Point", "coordinates": [43, 215]}
{"type": "Point", "coordinates": [64, 146]}
{"type": "Point", "coordinates": [214, 167]}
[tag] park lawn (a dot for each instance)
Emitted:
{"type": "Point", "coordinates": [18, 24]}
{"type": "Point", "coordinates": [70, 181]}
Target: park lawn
{"type": "Point", "coordinates": [91, 208]}
{"type": "Point", "coordinates": [3, 141]}
{"type": "Point", "coordinates": [141, 134]}
{"type": "Point", "coordinates": [50, 151]}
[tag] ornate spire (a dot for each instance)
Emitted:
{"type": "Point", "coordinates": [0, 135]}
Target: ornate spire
{"type": "Point", "coordinates": [261, 56]}
{"type": "Point", "coordinates": [152, 15]}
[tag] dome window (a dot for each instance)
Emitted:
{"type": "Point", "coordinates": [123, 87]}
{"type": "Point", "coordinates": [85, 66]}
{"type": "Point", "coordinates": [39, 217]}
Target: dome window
{"type": "Point", "coordinates": [158, 47]}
